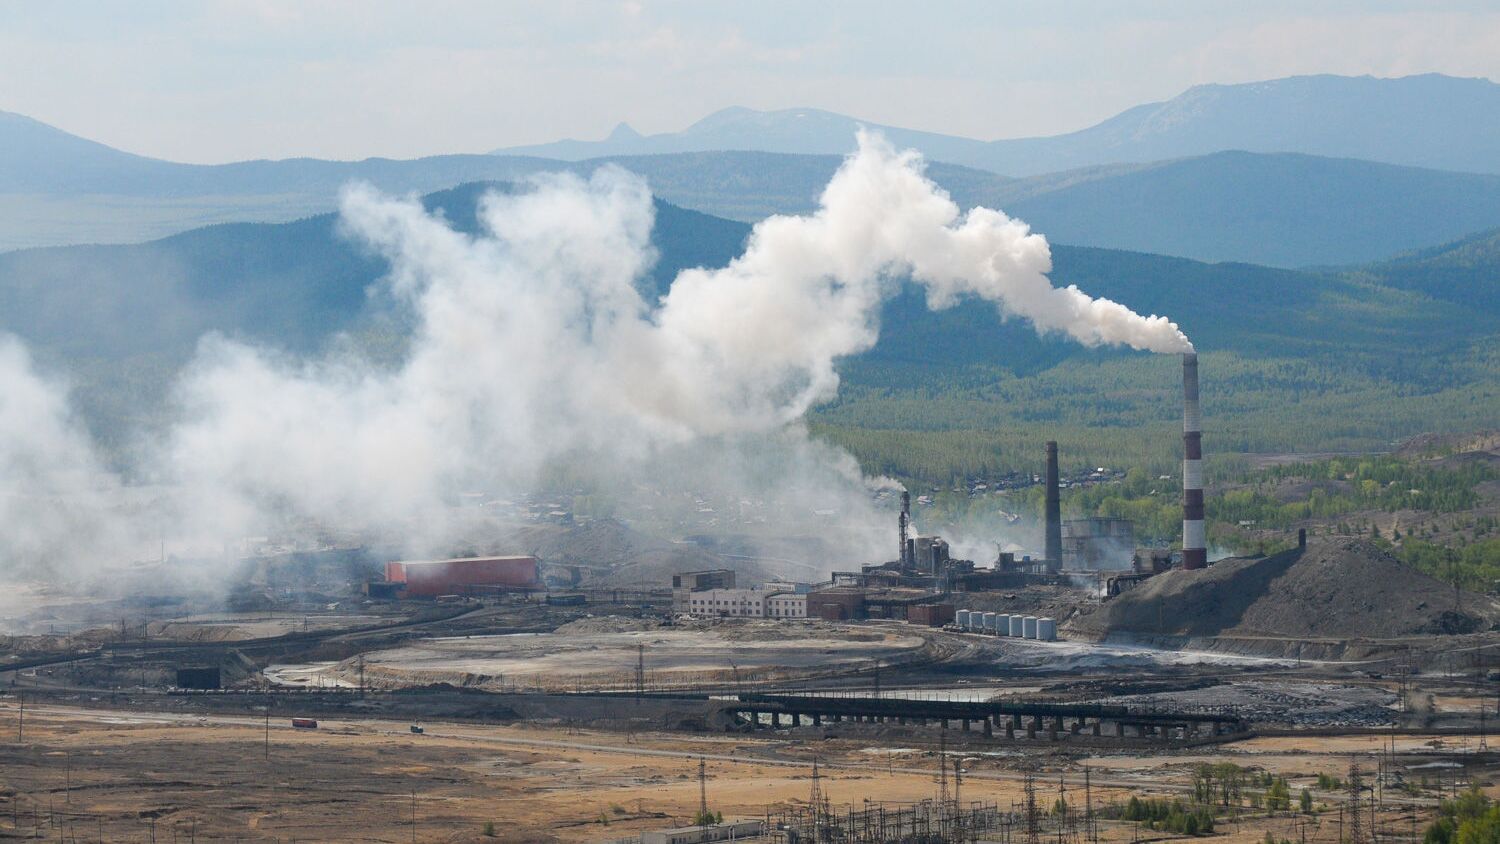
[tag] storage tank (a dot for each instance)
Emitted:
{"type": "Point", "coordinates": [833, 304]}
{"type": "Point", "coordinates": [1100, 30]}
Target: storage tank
{"type": "Point", "coordinates": [989, 622]}
{"type": "Point", "coordinates": [1002, 624]}
{"type": "Point", "coordinates": [961, 618]}
{"type": "Point", "coordinates": [1028, 627]}
{"type": "Point", "coordinates": [1046, 629]}
{"type": "Point", "coordinates": [1017, 626]}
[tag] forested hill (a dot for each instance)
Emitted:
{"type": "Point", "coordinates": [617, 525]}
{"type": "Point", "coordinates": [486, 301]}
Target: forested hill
{"type": "Point", "coordinates": [1292, 360]}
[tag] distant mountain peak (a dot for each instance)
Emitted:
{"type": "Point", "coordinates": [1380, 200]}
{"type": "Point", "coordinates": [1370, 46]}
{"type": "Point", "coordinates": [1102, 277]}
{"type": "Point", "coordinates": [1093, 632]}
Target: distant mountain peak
{"type": "Point", "coordinates": [1427, 120]}
{"type": "Point", "coordinates": [623, 133]}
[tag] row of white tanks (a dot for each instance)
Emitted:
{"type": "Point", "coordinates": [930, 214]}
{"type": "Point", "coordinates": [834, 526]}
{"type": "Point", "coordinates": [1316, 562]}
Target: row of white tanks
{"type": "Point", "coordinates": [1000, 624]}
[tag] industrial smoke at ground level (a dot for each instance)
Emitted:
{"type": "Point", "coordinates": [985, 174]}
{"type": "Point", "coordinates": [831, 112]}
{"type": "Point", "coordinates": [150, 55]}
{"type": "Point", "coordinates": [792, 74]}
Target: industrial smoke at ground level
{"type": "Point", "coordinates": [533, 351]}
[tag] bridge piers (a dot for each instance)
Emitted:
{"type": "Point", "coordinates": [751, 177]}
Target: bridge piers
{"type": "Point", "coordinates": [1007, 720]}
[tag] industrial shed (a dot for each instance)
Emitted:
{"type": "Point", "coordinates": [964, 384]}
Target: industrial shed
{"type": "Point", "coordinates": [462, 576]}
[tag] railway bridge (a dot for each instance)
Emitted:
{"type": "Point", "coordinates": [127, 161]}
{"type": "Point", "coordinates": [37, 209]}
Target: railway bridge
{"type": "Point", "coordinates": [997, 720]}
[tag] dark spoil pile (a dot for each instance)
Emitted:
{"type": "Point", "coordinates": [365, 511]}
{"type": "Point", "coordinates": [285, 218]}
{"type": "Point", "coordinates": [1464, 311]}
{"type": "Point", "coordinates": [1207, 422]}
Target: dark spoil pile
{"type": "Point", "coordinates": [1335, 588]}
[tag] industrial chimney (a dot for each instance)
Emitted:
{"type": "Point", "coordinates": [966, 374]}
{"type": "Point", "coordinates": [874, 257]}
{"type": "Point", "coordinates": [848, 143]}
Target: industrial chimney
{"type": "Point", "coordinates": [905, 527]}
{"type": "Point", "coordinates": [1194, 537]}
{"type": "Point", "coordinates": [1053, 554]}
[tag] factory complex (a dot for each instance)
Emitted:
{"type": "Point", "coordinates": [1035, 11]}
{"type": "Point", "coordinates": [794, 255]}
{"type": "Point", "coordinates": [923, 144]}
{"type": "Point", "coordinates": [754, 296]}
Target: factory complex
{"type": "Point", "coordinates": [609, 643]}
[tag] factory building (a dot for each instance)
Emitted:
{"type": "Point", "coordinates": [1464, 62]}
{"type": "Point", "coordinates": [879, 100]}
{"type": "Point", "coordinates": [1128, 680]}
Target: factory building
{"type": "Point", "coordinates": [837, 604]}
{"type": "Point", "coordinates": [1097, 544]}
{"type": "Point", "coordinates": [930, 615]}
{"type": "Point", "coordinates": [462, 576]}
{"type": "Point", "coordinates": [727, 603]}
{"type": "Point", "coordinates": [786, 605]}
{"type": "Point", "coordinates": [930, 554]}
{"type": "Point", "coordinates": [747, 603]}
{"type": "Point", "coordinates": [688, 582]}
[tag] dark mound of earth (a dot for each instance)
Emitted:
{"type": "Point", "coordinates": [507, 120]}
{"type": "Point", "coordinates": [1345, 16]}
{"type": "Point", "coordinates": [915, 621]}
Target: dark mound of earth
{"type": "Point", "coordinates": [1334, 589]}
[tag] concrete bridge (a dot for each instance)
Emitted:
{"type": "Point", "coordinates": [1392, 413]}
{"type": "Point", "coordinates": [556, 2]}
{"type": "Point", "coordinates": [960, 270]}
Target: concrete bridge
{"type": "Point", "coordinates": [996, 720]}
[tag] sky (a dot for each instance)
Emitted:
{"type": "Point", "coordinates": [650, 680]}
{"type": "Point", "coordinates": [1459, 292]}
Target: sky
{"type": "Point", "coordinates": [226, 80]}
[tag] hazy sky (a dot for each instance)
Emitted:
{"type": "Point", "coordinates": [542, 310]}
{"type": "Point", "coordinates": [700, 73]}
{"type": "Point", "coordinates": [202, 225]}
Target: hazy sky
{"type": "Point", "coordinates": [221, 80]}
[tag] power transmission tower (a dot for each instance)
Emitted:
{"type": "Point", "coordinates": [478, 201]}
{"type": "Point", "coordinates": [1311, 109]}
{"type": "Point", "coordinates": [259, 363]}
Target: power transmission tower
{"type": "Point", "coordinates": [1090, 829]}
{"type": "Point", "coordinates": [815, 801]}
{"type": "Point", "coordinates": [1065, 828]}
{"type": "Point", "coordinates": [943, 767]}
{"type": "Point", "coordinates": [1483, 739]}
{"type": "Point", "coordinates": [1028, 787]}
{"type": "Point", "coordinates": [1356, 785]}
{"type": "Point", "coordinates": [702, 789]}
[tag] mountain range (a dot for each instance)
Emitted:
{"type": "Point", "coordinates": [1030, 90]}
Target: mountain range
{"type": "Point", "coordinates": [1431, 120]}
{"type": "Point", "coordinates": [1218, 203]}
{"type": "Point", "coordinates": [1275, 209]}
{"type": "Point", "coordinates": [1348, 356]}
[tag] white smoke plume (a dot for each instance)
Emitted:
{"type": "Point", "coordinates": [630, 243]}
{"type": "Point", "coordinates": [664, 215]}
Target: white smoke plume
{"type": "Point", "coordinates": [56, 502]}
{"type": "Point", "coordinates": [533, 346]}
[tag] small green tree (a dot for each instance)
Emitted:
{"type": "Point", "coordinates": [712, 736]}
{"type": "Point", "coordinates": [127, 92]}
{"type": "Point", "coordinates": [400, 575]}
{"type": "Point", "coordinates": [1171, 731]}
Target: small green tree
{"type": "Point", "coordinates": [1305, 802]}
{"type": "Point", "coordinates": [1279, 795]}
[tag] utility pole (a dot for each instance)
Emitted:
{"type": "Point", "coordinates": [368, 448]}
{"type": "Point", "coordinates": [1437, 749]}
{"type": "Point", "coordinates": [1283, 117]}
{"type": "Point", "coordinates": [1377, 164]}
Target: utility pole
{"type": "Point", "coordinates": [413, 816]}
{"type": "Point", "coordinates": [640, 671]}
{"type": "Point", "coordinates": [21, 720]}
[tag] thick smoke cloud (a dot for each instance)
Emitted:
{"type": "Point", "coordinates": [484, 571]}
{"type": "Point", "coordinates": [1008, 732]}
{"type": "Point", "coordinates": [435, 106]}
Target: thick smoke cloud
{"type": "Point", "coordinates": [532, 346]}
{"type": "Point", "coordinates": [56, 503]}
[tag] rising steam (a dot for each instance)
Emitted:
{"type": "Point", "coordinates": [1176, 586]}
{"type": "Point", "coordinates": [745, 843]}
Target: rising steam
{"type": "Point", "coordinates": [533, 346]}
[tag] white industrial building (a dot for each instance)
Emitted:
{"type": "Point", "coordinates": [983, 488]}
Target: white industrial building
{"type": "Point", "coordinates": [728, 603]}
{"type": "Point", "coordinates": [786, 605]}
{"type": "Point", "coordinates": [746, 603]}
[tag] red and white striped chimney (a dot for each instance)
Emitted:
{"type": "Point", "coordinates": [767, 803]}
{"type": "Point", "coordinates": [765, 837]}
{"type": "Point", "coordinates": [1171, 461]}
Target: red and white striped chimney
{"type": "Point", "coordinates": [1194, 536]}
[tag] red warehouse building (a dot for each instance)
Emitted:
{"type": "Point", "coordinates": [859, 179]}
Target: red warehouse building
{"type": "Point", "coordinates": [430, 578]}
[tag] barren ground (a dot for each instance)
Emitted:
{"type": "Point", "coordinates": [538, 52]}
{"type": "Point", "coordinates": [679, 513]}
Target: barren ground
{"type": "Point", "coordinates": [81, 773]}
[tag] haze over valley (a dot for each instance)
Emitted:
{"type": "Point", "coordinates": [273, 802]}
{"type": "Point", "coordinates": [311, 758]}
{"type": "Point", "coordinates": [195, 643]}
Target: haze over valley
{"type": "Point", "coordinates": [947, 424]}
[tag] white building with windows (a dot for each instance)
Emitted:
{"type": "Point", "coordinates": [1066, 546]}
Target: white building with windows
{"type": "Point", "coordinates": [727, 603]}
{"type": "Point", "coordinates": [786, 605]}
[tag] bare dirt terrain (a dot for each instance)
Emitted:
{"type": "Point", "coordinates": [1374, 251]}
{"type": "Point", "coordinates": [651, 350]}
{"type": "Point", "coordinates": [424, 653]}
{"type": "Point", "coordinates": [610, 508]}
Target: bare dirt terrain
{"type": "Point", "coordinates": [596, 653]}
{"type": "Point", "coordinates": [90, 774]}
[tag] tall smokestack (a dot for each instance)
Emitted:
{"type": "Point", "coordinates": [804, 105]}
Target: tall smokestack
{"type": "Point", "coordinates": [905, 523]}
{"type": "Point", "coordinates": [1194, 537]}
{"type": "Point", "coordinates": [1054, 512]}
